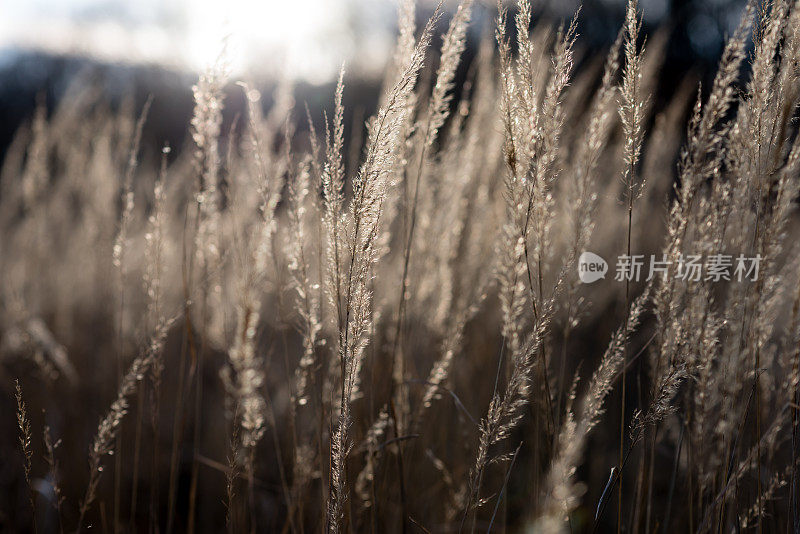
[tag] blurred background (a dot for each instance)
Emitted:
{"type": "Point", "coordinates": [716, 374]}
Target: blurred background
{"type": "Point", "coordinates": [143, 47]}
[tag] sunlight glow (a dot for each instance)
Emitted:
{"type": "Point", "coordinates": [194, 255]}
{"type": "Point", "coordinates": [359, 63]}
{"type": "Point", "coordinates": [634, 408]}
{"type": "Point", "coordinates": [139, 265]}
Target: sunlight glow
{"type": "Point", "coordinates": [306, 39]}
{"type": "Point", "coordinates": [274, 33]}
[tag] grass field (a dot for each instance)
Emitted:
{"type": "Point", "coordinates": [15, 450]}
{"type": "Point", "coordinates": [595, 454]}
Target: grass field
{"type": "Point", "coordinates": [296, 324]}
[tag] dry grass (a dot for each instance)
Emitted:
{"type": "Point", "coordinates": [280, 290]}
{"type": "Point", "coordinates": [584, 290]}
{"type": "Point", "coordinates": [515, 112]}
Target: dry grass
{"type": "Point", "coordinates": [292, 340]}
